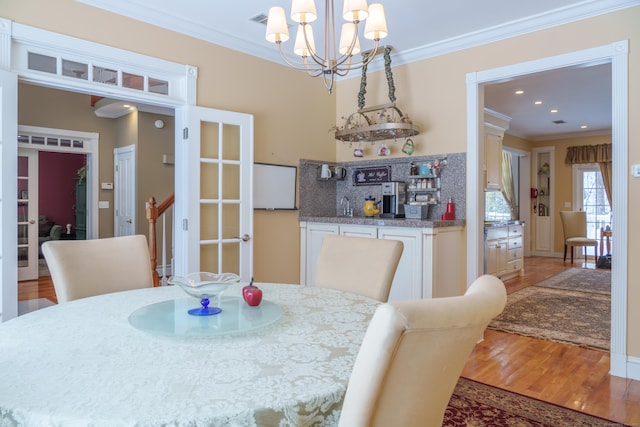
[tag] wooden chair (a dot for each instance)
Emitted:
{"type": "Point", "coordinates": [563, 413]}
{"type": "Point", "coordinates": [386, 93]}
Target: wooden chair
{"type": "Point", "coordinates": [84, 268]}
{"type": "Point", "coordinates": [359, 265]}
{"type": "Point", "coordinates": [574, 227]}
{"type": "Point", "coordinates": [413, 354]}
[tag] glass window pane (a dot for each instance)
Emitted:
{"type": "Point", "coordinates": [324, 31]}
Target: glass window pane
{"type": "Point", "coordinates": [231, 182]}
{"type": "Point", "coordinates": [23, 139]}
{"type": "Point", "coordinates": [105, 75]}
{"type": "Point", "coordinates": [231, 142]}
{"type": "Point", "coordinates": [209, 222]}
{"type": "Point", "coordinates": [209, 140]}
{"type": "Point", "coordinates": [230, 221]}
{"type": "Point", "coordinates": [78, 144]}
{"type": "Point", "coordinates": [158, 86]}
{"type": "Point", "coordinates": [43, 63]}
{"type": "Point", "coordinates": [209, 258]}
{"type": "Point", "coordinates": [132, 81]}
{"type": "Point", "coordinates": [37, 140]}
{"type": "Point", "coordinates": [496, 208]}
{"type": "Point", "coordinates": [74, 69]}
{"type": "Point", "coordinates": [208, 180]}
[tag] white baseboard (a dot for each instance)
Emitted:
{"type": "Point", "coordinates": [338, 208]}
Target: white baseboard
{"type": "Point", "coordinates": [633, 368]}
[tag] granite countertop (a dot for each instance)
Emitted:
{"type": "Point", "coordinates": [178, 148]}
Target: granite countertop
{"type": "Point", "coordinates": [489, 224]}
{"type": "Point", "coordinates": [379, 222]}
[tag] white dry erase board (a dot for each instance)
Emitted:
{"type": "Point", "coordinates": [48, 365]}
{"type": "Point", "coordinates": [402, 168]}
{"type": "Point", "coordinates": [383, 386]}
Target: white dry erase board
{"type": "Point", "coordinates": [274, 186]}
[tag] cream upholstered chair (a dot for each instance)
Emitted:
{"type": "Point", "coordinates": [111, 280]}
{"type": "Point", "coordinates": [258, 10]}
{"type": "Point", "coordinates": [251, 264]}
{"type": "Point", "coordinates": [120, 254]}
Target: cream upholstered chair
{"type": "Point", "coordinates": [574, 227]}
{"type": "Point", "coordinates": [358, 264]}
{"type": "Point", "coordinates": [412, 355]}
{"type": "Point", "coordinates": [84, 268]}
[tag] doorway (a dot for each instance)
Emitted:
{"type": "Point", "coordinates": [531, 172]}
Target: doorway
{"type": "Point", "coordinates": [617, 54]}
{"type": "Point", "coordinates": [124, 193]}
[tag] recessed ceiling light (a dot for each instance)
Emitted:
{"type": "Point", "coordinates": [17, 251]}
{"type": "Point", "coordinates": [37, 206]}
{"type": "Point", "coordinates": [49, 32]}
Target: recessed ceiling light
{"type": "Point", "coordinates": [538, 103]}
{"type": "Point", "coordinates": [554, 111]}
{"type": "Point", "coordinates": [583, 127]}
{"type": "Point", "coordinates": [519, 92]}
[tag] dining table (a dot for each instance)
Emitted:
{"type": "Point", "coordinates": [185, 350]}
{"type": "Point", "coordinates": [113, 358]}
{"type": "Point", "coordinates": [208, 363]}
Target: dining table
{"type": "Point", "coordinates": [137, 358]}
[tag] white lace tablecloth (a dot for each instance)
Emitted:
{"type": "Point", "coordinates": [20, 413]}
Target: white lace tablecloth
{"type": "Point", "coordinates": [83, 364]}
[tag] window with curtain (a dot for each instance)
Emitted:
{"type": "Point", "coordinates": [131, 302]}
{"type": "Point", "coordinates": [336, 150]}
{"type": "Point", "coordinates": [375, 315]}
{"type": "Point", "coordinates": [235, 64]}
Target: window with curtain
{"type": "Point", "coordinates": [593, 198]}
{"type": "Point", "coordinates": [503, 205]}
{"type": "Point", "coordinates": [593, 162]}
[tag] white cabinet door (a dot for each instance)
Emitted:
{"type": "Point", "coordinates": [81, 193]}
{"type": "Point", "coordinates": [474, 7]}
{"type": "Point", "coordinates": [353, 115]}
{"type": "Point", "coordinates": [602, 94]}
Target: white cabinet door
{"type": "Point", "coordinates": [314, 235]}
{"type": "Point", "coordinates": [407, 283]}
{"type": "Point", "coordinates": [492, 257]}
{"type": "Point", "coordinates": [359, 231]}
{"type": "Point", "coordinates": [502, 249]}
{"type": "Point", "coordinates": [543, 233]}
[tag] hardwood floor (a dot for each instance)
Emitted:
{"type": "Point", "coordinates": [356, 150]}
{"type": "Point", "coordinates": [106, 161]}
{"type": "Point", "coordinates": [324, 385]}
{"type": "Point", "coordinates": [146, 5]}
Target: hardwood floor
{"type": "Point", "coordinates": [566, 375]}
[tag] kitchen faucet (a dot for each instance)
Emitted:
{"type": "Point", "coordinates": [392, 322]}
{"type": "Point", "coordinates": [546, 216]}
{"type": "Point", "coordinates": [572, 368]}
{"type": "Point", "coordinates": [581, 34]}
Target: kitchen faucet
{"type": "Point", "coordinates": [347, 211]}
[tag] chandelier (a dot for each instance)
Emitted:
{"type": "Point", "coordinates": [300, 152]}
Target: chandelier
{"type": "Point", "coordinates": [337, 59]}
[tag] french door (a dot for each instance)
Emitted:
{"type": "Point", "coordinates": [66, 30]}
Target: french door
{"type": "Point", "coordinates": [214, 192]}
{"type": "Point", "coordinates": [27, 214]}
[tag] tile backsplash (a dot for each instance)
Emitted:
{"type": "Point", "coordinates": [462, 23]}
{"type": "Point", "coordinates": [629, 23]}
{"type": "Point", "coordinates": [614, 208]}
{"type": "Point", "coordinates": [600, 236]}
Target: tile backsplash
{"type": "Point", "coordinates": [322, 197]}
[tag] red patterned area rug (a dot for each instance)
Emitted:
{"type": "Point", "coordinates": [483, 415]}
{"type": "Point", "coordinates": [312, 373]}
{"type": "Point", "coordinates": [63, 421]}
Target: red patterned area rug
{"type": "Point", "coordinates": [475, 404]}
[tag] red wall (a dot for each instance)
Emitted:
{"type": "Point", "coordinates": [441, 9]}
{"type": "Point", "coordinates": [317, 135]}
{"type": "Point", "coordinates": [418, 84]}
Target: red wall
{"type": "Point", "coordinates": [56, 185]}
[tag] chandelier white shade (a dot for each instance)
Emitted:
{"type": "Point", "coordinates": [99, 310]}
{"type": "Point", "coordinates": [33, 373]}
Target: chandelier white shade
{"type": "Point", "coordinates": [337, 58]}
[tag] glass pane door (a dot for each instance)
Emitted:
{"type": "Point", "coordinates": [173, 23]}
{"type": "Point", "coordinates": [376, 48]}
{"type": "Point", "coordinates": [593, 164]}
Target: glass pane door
{"type": "Point", "coordinates": [27, 215]}
{"type": "Point", "coordinates": [218, 189]}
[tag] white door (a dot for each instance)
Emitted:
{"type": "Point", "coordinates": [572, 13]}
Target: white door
{"type": "Point", "coordinates": [27, 214]}
{"type": "Point", "coordinates": [8, 199]}
{"type": "Point", "coordinates": [124, 190]}
{"type": "Point", "coordinates": [214, 192]}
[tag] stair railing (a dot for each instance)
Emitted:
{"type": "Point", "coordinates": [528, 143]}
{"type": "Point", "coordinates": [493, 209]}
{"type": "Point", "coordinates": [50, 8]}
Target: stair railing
{"type": "Point", "coordinates": [153, 213]}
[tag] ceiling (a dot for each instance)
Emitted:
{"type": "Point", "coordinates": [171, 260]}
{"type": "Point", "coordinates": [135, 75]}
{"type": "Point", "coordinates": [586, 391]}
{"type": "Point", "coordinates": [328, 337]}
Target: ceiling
{"type": "Point", "coordinates": [420, 29]}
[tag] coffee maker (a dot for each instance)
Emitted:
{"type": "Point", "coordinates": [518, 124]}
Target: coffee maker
{"type": "Point", "coordinates": [393, 199]}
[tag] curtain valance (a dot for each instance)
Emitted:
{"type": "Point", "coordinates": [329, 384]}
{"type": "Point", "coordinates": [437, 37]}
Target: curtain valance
{"type": "Point", "coordinates": [589, 154]}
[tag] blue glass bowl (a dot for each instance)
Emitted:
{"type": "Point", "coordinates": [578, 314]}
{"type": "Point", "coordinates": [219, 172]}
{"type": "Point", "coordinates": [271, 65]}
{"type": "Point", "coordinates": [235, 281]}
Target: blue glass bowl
{"type": "Point", "coordinates": [205, 286]}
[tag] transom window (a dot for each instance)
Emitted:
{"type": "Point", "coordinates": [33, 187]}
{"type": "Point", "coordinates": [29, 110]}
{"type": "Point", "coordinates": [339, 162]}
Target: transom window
{"type": "Point", "coordinates": [96, 73]}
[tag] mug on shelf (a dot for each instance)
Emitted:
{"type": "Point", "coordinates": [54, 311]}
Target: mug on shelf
{"type": "Point", "coordinates": [340, 172]}
{"type": "Point", "coordinates": [325, 172]}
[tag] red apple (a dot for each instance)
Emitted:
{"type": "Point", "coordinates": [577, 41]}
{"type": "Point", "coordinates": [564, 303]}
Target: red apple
{"type": "Point", "coordinates": [252, 294]}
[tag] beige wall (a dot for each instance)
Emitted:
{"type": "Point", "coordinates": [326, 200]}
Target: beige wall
{"type": "Point", "coordinates": [293, 113]}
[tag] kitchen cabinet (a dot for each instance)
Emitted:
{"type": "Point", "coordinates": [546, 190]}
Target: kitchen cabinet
{"type": "Point", "coordinates": [429, 266]}
{"type": "Point", "coordinates": [407, 283]}
{"type": "Point", "coordinates": [358, 231]}
{"type": "Point", "coordinates": [310, 244]}
{"type": "Point", "coordinates": [495, 124]}
{"type": "Point", "coordinates": [504, 252]}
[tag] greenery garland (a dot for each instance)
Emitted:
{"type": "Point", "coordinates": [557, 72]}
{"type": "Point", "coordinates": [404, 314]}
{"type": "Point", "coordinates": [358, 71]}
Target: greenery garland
{"type": "Point", "coordinates": [388, 73]}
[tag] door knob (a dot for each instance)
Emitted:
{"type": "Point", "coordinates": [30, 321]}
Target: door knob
{"type": "Point", "coordinates": [128, 221]}
{"type": "Point", "coordinates": [32, 221]}
{"type": "Point", "coordinates": [246, 237]}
